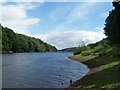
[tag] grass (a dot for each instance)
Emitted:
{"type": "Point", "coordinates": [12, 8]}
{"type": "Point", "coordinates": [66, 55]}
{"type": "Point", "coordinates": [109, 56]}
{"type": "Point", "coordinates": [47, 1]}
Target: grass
{"type": "Point", "coordinates": [103, 73]}
{"type": "Point", "coordinates": [104, 64]}
{"type": "Point", "coordinates": [103, 60]}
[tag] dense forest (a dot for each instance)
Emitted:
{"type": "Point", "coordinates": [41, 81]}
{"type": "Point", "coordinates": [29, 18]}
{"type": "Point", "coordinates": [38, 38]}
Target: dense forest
{"type": "Point", "coordinates": [13, 42]}
{"type": "Point", "coordinates": [112, 24]}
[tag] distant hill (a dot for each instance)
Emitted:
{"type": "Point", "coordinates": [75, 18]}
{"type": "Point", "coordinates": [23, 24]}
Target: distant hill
{"type": "Point", "coordinates": [72, 49]}
{"type": "Point", "coordinates": [13, 42]}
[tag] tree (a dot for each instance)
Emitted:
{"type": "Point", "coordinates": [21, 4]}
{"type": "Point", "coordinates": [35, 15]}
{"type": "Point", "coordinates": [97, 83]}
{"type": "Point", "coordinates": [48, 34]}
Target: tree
{"type": "Point", "coordinates": [112, 26]}
{"type": "Point", "coordinates": [12, 41]}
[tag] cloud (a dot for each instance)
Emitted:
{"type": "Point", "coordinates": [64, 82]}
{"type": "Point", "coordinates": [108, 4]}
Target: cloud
{"type": "Point", "coordinates": [72, 38]}
{"type": "Point", "coordinates": [58, 0]}
{"type": "Point", "coordinates": [15, 17]}
{"type": "Point", "coordinates": [98, 28]}
{"type": "Point", "coordinates": [104, 15]}
{"type": "Point", "coordinates": [81, 11]}
{"type": "Point", "coordinates": [22, 1]}
{"type": "Point", "coordinates": [59, 12]}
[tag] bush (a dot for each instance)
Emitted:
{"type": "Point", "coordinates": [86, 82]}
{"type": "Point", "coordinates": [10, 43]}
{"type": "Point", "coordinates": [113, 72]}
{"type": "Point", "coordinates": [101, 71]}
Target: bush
{"type": "Point", "coordinates": [81, 49]}
{"type": "Point", "coordinates": [86, 53]}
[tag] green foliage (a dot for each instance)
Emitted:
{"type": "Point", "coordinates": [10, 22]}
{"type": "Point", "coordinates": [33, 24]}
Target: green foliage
{"type": "Point", "coordinates": [114, 51]}
{"type": "Point", "coordinates": [72, 49]}
{"type": "Point", "coordinates": [104, 73]}
{"type": "Point", "coordinates": [86, 53]}
{"type": "Point", "coordinates": [105, 64]}
{"type": "Point", "coordinates": [102, 48]}
{"type": "Point", "coordinates": [112, 26]}
{"type": "Point", "coordinates": [0, 39]}
{"type": "Point", "coordinates": [22, 43]}
{"type": "Point", "coordinates": [80, 49]}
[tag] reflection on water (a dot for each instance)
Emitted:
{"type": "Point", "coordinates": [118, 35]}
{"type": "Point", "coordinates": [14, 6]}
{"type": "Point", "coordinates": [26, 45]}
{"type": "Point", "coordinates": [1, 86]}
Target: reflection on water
{"type": "Point", "coordinates": [40, 70]}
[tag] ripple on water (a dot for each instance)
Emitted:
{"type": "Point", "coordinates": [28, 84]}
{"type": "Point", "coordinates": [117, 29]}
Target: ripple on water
{"type": "Point", "coordinates": [40, 70]}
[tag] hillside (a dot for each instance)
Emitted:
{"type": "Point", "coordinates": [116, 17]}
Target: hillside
{"type": "Point", "coordinates": [72, 49]}
{"type": "Point", "coordinates": [101, 48]}
{"type": "Point", "coordinates": [103, 60]}
{"type": "Point", "coordinates": [14, 42]}
{"type": "Point", "coordinates": [103, 57]}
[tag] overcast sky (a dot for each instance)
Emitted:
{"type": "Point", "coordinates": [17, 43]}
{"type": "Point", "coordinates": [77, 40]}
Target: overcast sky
{"type": "Point", "coordinates": [62, 24]}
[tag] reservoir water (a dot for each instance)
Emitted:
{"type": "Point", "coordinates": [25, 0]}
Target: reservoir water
{"type": "Point", "coordinates": [40, 70]}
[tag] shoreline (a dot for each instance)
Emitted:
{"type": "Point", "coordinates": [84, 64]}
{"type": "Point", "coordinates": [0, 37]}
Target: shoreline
{"type": "Point", "coordinates": [102, 74]}
{"type": "Point", "coordinates": [73, 85]}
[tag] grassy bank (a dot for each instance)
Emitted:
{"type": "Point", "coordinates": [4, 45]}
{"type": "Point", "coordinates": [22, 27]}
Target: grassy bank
{"type": "Point", "coordinates": [103, 73]}
{"type": "Point", "coordinates": [104, 64]}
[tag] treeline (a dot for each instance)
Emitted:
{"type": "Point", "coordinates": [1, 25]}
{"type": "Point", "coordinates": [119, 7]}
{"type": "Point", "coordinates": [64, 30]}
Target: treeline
{"type": "Point", "coordinates": [13, 42]}
{"type": "Point", "coordinates": [72, 49]}
{"type": "Point", "coordinates": [112, 24]}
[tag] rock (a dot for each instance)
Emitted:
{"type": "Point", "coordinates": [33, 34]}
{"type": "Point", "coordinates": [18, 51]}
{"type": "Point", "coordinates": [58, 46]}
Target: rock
{"type": "Point", "coordinates": [70, 81]}
{"type": "Point", "coordinates": [62, 82]}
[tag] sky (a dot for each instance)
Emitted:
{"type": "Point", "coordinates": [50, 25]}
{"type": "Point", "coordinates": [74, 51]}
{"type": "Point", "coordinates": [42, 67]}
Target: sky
{"type": "Point", "coordinates": [61, 24]}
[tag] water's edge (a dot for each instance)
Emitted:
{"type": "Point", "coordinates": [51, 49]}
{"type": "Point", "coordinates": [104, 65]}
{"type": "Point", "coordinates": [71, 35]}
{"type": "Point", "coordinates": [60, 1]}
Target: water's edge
{"type": "Point", "coordinates": [64, 70]}
{"type": "Point", "coordinates": [80, 78]}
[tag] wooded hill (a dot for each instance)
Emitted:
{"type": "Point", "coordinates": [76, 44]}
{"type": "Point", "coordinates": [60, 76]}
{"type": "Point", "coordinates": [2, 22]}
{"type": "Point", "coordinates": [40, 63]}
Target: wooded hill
{"type": "Point", "coordinates": [13, 42]}
{"type": "Point", "coordinates": [72, 49]}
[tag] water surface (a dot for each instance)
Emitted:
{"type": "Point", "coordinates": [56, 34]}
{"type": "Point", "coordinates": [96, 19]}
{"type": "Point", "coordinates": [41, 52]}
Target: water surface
{"type": "Point", "coordinates": [40, 70]}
